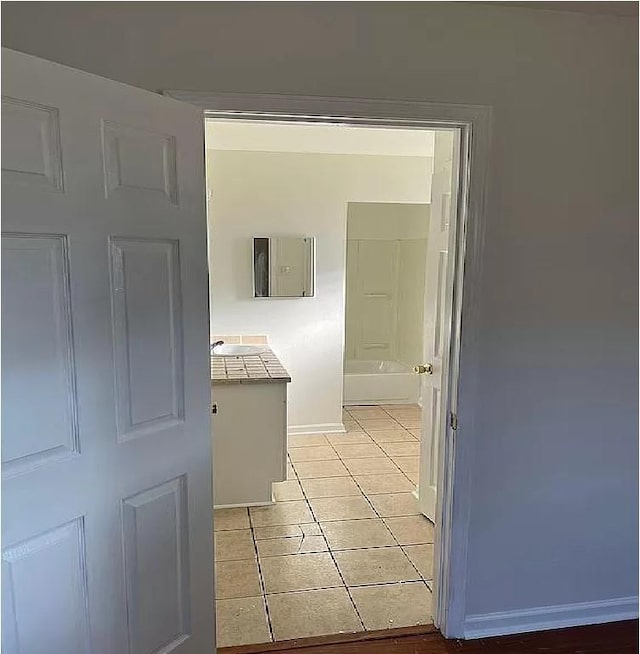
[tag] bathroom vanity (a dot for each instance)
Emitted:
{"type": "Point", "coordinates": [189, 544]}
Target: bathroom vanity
{"type": "Point", "coordinates": [249, 426]}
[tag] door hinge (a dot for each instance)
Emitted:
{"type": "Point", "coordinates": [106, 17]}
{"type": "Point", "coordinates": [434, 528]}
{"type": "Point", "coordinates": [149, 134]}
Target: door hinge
{"type": "Point", "coordinates": [214, 408]}
{"type": "Point", "coordinates": [453, 420]}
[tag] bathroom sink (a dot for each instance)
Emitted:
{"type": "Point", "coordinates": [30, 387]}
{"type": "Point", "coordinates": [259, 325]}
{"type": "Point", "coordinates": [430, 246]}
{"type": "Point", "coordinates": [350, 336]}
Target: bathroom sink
{"type": "Point", "coordinates": [237, 350]}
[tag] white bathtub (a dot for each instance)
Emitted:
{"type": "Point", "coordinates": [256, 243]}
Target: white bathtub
{"type": "Point", "coordinates": [379, 382]}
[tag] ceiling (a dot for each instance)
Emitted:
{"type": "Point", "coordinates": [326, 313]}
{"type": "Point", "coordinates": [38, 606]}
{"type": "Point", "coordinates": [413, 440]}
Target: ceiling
{"type": "Point", "coordinates": [613, 8]}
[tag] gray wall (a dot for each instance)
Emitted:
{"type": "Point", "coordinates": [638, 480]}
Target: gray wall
{"type": "Point", "coordinates": [554, 483]}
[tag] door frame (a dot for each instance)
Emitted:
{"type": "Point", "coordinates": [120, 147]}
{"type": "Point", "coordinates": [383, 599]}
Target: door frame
{"type": "Point", "coordinates": [456, 447]}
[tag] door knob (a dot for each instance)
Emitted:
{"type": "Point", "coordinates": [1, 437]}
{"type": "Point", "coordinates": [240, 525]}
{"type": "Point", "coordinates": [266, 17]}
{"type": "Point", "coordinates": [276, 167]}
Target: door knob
{"type": "Point", "coordinates": [427, 369]}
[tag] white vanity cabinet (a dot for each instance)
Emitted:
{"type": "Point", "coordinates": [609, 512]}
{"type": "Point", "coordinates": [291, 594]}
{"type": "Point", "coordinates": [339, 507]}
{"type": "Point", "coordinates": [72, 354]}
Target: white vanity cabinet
{"type": "Point", "coordinates": [249, 432]}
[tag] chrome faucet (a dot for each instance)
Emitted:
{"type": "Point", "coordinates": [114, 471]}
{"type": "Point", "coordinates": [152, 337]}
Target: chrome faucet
{"type": "Point", "coordinates": [215, 344]}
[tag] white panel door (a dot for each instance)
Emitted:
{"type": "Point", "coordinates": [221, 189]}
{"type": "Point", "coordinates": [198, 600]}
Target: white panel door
{"type": "Point", "coordinates": [437, 314]}
{"type": "Point", "coordinates": [106, 447]}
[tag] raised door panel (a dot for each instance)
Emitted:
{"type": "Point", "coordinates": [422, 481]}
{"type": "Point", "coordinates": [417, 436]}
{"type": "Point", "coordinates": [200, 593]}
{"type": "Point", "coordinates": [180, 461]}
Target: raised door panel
{"type": "Point", "coordinates": [156, 541]}
{"type": "Point", "coordinates": [138, 161]}
{"type": "Point", "coordinates": [147, 331]}
{"type": "Point", "coordinates": [431, 401]}
{"type": "Point", "coordinates": [44, 603]}
{"type": "Point", "coordinates": [32, 155]}
{"type": "Point", "coordinates": [438, 318]}
{"type": "Point", "coordinates": [39, 404]}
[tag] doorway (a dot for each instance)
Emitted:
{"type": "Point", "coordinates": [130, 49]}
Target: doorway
{"type": "Point", "coordinates": [337, 512]}
{"type": "Point", "coordinates": [175, 490]}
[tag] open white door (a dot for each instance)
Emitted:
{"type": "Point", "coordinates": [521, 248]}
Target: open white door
{"type": "Point", "coordinates": [437, 314]}
{"type": "Point", "coordinates": [106, 444]}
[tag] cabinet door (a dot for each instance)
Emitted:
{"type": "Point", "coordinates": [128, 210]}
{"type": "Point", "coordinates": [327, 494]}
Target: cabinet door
{"type": "Point", "coordinates": [249, 441]}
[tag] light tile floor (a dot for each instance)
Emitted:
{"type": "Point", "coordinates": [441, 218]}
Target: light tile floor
{"type": "Point", "coordinates": [343, 549]}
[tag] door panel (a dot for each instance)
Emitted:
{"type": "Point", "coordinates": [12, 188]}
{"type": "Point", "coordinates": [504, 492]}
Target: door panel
{"type": "Point", "coordinates": [439, 319]}
{"type": "Point", "coordinates": [32, 156]}
{"type": "Point", "coordinates": [155, 529]}
{"type": "Point", "coordinates": [146, 305]}
{"type": "Point", "coordinates": [56, 620]}
{"type": "Point", "coordinates": [106, 472]}
{"type": "Point", "coordinates": [139, 161]}
{"type": "Point", "coordinates": [37, 340]}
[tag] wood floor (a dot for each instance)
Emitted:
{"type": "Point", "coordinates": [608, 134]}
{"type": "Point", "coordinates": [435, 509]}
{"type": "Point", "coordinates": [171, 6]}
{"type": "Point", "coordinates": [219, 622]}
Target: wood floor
{"type": "Point", "coordinates": [612, 638]}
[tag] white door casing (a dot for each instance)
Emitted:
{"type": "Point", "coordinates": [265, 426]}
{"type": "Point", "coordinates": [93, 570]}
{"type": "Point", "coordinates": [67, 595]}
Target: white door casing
{"type": "Point", "coordinates": [437, 314]}
{"type": "Point", "coordinates": [473, 123]}
{"type": "Point", "coordinates": [106, 447]}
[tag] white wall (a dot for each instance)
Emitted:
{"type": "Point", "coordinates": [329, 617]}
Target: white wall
{"type": "Point", "coordinates": [275, 193]}
{"type": "Point", "coordinates": [554, 486]}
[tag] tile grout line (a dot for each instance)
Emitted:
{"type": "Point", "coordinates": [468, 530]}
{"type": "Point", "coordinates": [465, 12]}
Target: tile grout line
{"type": "Point", "coordinates": [335, 563]}
{"type": "Point", "coordinates": [296, 477]}
{"type": "Point", "coordinates": [306, 499]}
{"type": "Point", "coordinates": [367, 585]}
{"type": "Point", "coordinates": [402, 428]}
{"type": "Point", "coordinates": [395, 540]}
{"type": "Point", "coordinates": [382, 517]}
{"type": "Point", "coordinates": [350, 476]}
{"type": "Point", "coordinates": [329, 551]}
{"type": "Point", "coordinates": [342, 460]}
{"type": "Point", "coordinates": [375, 511]}
{"type": "Point", "coordinates": [401, 547]}
{"type": "Point", "coordinates": [262, 585]}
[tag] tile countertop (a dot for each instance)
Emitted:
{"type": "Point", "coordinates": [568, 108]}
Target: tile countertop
{"type": "Point", "coordinates": [258, 368]}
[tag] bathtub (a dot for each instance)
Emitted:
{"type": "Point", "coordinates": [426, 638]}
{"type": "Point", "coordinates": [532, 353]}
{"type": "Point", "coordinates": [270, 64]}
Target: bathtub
{"type": "Point", "coordinates": [380, 382]}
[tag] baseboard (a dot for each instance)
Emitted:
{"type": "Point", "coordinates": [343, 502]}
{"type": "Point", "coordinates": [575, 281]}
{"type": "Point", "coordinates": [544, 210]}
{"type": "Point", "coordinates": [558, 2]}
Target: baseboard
{"type": "Point", "coordinates": [321, 428]}
{"type": "Point", "coordinates": [242, 505]}
{"type": "Point", "coordinates": [551, 617]}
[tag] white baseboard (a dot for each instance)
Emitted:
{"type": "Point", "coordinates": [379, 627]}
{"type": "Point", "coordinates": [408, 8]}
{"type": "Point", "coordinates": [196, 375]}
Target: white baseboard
{"type": "Point", "coordinates": [321, 428]}
{"type": "Point", "coordinates": [551, 617]}
{"type": "Point", "coordinates": [242, 505]}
